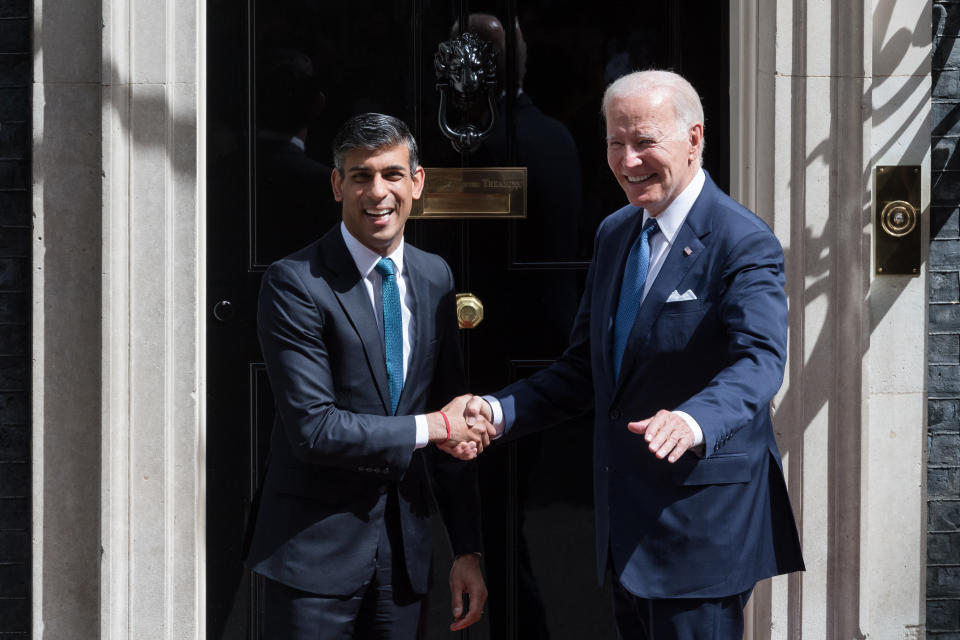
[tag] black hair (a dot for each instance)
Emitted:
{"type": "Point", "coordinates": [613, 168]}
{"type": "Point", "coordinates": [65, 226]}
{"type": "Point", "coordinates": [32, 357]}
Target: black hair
{"type": "Point", "coordinates": [372, 131]}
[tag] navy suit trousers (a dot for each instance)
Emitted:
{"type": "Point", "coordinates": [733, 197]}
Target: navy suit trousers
{"type": "Point", "coordinates": [385, 608]}
{"type": "Point", "coordinates": [678, 618]}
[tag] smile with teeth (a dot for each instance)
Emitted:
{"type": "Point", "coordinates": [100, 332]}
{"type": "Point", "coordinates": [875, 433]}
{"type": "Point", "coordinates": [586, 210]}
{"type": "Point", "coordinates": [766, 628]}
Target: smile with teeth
{"type": "Point", "coordinates": [639, 179]}
{"type": "Point", "coordinates": [378, 213]}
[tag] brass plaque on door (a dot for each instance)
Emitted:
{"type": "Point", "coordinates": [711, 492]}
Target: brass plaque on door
{"type": "Point", "coordinates": [897, 228]}
{"type": "Point", "coordinates": [474, 192]}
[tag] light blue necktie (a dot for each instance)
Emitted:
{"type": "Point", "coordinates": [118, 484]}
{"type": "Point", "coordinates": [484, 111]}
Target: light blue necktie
{"type": "Point", "coordinates": [631, 292]}
{"type": "Point", "coordinates": [392, 329]}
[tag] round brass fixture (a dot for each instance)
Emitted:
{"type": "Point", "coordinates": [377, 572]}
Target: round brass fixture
{"type": "Point", "coordinates": [469, 310]}
{"type": "Point", "coordinates": [898, 218]}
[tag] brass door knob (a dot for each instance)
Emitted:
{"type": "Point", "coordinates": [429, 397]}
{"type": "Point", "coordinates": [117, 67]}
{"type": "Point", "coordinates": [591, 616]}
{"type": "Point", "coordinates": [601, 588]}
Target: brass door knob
{"type": "Point", "coordinates": [469, 310]}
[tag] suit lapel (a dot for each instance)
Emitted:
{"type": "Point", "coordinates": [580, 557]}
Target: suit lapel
{"type": "Point", "coordinates": [417, 289]}
{"type": "Point", "coordinates": [692, 235]}
{"type": "Point", "coordinates": [352, 295]}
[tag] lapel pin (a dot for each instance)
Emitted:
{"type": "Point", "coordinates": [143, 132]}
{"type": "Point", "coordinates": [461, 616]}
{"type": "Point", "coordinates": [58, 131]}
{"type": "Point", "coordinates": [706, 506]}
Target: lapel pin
{"type": "Point", "coordinates": [687, 251]}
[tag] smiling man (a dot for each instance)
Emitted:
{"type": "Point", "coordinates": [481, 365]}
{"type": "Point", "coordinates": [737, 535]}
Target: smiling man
{"type": "Point", "coordinates": [678, 347]}
{"type": "Point", "coordinates": [358, 332]}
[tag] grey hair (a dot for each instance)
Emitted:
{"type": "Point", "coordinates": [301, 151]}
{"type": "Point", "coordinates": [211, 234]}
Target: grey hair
{"type": "Point", "coordinates": [685, 99]}
{"type": "Point", "coordinates": [372, 131]}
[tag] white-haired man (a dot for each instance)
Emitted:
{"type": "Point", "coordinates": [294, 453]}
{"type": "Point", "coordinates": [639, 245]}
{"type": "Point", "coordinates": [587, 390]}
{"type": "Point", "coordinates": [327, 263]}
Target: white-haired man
{"type": "Point", "coordinates": [678, 346]}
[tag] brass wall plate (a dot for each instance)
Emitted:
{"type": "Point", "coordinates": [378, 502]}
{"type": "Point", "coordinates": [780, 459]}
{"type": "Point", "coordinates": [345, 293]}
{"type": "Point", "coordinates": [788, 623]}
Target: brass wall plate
{"type": "Point", "coordinates": [474, 192]}
{"type": "Point", "coordinates": [897, 228]}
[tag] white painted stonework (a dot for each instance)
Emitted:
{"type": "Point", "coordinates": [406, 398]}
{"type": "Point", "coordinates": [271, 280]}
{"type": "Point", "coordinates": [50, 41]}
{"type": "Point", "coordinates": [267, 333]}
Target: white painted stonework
{"type": "Point", "coordinates": [152, 461]}
{"type": "Point", "coordinates": [839, 88]}
{"type": "Point", "coordinates": [117, 418]}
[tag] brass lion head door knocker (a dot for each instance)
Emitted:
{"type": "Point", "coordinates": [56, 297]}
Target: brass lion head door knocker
{"type": "Point", "coordinates": [466, 69]}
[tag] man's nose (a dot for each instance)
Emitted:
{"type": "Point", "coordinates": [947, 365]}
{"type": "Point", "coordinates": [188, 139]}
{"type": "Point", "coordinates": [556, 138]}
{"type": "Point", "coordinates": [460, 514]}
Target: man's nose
{"type": "Point", "coordinates": [378, 188]}
{"type": "Point", "coordinates": [632, 157]}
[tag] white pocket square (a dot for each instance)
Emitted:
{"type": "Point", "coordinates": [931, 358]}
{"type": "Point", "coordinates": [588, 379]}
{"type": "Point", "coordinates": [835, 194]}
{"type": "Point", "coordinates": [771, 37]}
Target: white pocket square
{"type": "Point", "coordinates": [680, 297]}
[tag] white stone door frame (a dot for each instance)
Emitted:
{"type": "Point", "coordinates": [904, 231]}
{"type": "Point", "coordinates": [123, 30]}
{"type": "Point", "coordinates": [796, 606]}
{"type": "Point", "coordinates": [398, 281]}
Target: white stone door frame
{"type": "Point", "coordinates": [118, 329]}
{"type": "Point", "coordinates": [822, 92]}
{"type": "Point", "coordinates": [152, 461]}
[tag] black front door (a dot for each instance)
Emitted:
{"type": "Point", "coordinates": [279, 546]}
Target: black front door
{"type": "Point", "coordinates": [284, 74]}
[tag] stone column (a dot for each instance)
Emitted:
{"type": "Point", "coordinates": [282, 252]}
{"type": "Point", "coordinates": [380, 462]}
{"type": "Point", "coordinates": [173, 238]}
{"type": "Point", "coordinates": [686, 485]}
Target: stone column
{"type": "Point", "coordinates": [893, 478]}
{"type": "Point", "coordinates": [118, 332]}
{"type": "Point", "coordinates": [152, 447]}
{"type": "Point", "coordinates": [841, 88]}
{"type": "Point", "coordinates": [66, 347]}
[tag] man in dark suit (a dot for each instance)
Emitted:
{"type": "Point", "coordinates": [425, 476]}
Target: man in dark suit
{"type": "Point", "coordinates": [358, 332]}
{"type": "Point", "coordinates": [679, 346]}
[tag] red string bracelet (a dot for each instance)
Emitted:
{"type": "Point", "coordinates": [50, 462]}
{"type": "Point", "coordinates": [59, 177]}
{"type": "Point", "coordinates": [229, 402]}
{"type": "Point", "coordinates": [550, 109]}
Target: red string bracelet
{"type": "Point", "coordinates": [446, 422]}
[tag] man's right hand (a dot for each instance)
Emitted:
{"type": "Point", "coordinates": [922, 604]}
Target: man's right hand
{"type": "Point", "coordinates": [467, 440]}
{"type": "Point", "coordinates": [478, 410]}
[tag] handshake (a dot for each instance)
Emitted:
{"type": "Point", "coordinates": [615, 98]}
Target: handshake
{"type": "Point", "coordinates": [463, 428]}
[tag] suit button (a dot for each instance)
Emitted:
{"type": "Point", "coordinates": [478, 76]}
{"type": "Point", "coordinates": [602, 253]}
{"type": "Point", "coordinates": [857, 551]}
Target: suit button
{"type": "Point", "coordinates": [615, 414]}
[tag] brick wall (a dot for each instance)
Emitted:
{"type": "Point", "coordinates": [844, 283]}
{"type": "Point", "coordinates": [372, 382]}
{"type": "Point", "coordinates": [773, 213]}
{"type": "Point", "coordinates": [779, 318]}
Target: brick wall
{"type": "Point", "coordinates": [15, 80]}
{"type": "Point", "coordinates": [943, 377]}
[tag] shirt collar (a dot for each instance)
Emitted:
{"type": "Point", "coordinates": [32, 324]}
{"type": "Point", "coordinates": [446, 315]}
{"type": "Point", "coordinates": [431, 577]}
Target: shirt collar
{"type": "Point", "coordinates": [297, 142]}
{"type": "Point", "coordinates": [671, 219]}
{"type": "Point", "coordinates": [365, 259]}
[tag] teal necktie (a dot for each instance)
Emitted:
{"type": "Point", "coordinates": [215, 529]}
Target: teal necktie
{"type": "Point", "coordinates": [631, 292]}
{"type": "Point", "coordinates": [392, 329]}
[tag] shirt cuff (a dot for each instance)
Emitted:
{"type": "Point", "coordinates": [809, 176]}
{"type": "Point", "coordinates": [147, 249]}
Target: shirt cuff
{"type": "Point", "coordinates": [423, 432]}
{"type": "Point", "coordinates": [697, 446]}
{"type": "Point", "coordinates": [497, 411]}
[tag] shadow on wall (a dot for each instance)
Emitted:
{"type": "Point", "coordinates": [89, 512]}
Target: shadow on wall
{"type": "Point", "coordinates": [826, 275]}
{"type": "Point", "coordinates": [74, 164]}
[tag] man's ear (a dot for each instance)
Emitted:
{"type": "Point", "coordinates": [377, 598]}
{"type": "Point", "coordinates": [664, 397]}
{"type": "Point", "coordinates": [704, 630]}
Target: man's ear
{"type": "Point", "coordinates": [419, 178]}
{"type": "Point", "coordinates": [695, 139]}
{"type": "Point", "coordinates": [337, 183]}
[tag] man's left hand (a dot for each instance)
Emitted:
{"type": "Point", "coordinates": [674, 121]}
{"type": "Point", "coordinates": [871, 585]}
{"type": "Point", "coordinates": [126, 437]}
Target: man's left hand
{"type": "Point", "coordinates": [466, 578]}
{"type": "Point", "coordinates": [667, 434]}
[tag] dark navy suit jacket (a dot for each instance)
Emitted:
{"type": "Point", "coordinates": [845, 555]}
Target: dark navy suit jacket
{"type": "Point", "coordinates": [336, 453]}
{"type": "Point", "coordinates": [701, 527]}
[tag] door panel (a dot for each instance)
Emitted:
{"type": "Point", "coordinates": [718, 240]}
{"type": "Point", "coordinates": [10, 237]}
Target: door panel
{"type": "Point", "coordinates": [300, 67]}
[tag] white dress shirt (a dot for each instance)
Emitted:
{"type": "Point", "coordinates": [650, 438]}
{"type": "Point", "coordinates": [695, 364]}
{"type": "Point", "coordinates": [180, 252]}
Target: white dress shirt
{"type": "Point", "coordinates": [669, 221]}
{"type": "Point", "coordinates": [366, 260]}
